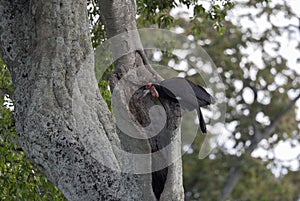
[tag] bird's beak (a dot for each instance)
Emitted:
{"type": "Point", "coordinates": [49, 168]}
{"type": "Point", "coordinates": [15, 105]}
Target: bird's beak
{"type": "Point", "coordinates": [144, 93]}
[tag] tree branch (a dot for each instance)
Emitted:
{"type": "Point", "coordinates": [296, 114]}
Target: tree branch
{"type": "Point", "coordinates": [134, 59]}
{"type": "Point", "coordinates": [257, 137]}
{"type": "Point", "coordinates": [62, 121]}
{"type": "Point", "coordinates": [236, 172]}
{"type": "Point", "coordinates": [235, 175]}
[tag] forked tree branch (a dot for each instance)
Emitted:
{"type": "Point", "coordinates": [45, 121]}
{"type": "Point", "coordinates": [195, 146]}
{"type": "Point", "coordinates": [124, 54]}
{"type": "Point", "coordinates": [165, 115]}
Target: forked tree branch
{"type": "Point", "coordinates": [236, 171]}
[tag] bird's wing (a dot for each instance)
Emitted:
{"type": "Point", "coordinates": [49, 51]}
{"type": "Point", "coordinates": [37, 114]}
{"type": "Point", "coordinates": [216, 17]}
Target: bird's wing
{"type": "Point", "coordinates": [164, 92]}
{"type": "Point", "coordinates": [203, 97]}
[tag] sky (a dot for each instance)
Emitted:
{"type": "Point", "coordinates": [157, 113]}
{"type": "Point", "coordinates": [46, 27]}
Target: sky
{"type": "Point", "coordinates": [285, 153]}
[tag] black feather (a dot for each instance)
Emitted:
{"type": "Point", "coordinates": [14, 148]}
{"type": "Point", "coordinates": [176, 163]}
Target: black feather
{"type": "Point", "coordinates": [158, 181]}
{"type": "Point", "coordinates": [190, 95]}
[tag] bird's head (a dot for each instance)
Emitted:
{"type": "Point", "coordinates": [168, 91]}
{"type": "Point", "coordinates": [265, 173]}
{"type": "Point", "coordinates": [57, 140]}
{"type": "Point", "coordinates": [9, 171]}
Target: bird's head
{"type": "Point", "coordinates": [149, 88]}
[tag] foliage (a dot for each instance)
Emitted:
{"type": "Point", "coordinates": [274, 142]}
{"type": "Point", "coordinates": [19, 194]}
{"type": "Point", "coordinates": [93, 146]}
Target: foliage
{"type": "Point", "coordinates": [104, 87]}
{"type": "Point", "coordinates": [20, 179]}
{"type": "Point", "coordinates": [269, 81]}
{"type": "Point", "coordinates": [157, 13]}
{"type": "Point", "coordinates": [153, 13]}
{"type": "Point", "coordinates": [98, 34]}
{"type": "Point", "coordinates": [203, 179]}
{"type": "Point", "coordinates": [6, 87]}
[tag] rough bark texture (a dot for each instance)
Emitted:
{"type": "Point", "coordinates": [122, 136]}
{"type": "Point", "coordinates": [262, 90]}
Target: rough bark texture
{"type": "Point", "coordinates": [119, 18]}
{"type": "Point", "coordinates": [62, 121]}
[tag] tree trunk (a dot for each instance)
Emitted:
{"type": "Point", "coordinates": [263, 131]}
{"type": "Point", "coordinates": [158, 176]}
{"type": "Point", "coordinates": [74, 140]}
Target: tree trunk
{"type": "Point", "coordinates": [62, 121]}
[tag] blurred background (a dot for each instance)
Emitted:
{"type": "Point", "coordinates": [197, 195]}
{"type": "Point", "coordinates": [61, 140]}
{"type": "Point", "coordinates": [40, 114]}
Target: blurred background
{"type": "Point", "coordinates": [255, 46]}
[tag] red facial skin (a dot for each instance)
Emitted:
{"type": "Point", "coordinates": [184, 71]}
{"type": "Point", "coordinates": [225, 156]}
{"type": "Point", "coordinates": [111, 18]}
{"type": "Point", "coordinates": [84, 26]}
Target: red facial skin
{"type": "Point", "coordinates": [153, 90]}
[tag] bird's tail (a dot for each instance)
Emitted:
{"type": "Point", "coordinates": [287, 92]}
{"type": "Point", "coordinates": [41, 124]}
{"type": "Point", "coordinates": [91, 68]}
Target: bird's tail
{"type": "Point", "coordinates": [201, 121]}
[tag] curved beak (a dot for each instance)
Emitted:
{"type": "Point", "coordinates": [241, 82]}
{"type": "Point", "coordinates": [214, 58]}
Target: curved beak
{"type": "Point", "coordinates": [144, 93]}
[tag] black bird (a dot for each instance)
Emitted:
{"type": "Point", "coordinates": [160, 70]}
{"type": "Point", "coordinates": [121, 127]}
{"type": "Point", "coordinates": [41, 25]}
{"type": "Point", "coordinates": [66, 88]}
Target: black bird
{"type": "Point", "coordinates": [189, 95]}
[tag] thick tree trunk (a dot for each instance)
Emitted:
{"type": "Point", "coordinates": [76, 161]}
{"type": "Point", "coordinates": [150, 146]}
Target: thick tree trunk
{"type": "Point", "coordinates": [62, 121]}
{"type": "Point", "coordinates": [119, 18]}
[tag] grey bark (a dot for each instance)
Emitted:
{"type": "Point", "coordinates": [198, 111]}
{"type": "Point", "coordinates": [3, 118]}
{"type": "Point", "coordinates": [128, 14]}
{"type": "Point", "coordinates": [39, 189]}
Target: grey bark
{"type": "Point", "coordinates": [119, 17]}
{"type": "Point", "coordinates": [62, 121]}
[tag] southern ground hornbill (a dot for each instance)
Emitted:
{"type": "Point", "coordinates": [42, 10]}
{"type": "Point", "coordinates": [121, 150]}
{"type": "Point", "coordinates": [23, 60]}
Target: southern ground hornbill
{"type": "Point", "coordinates": [189, 95]}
